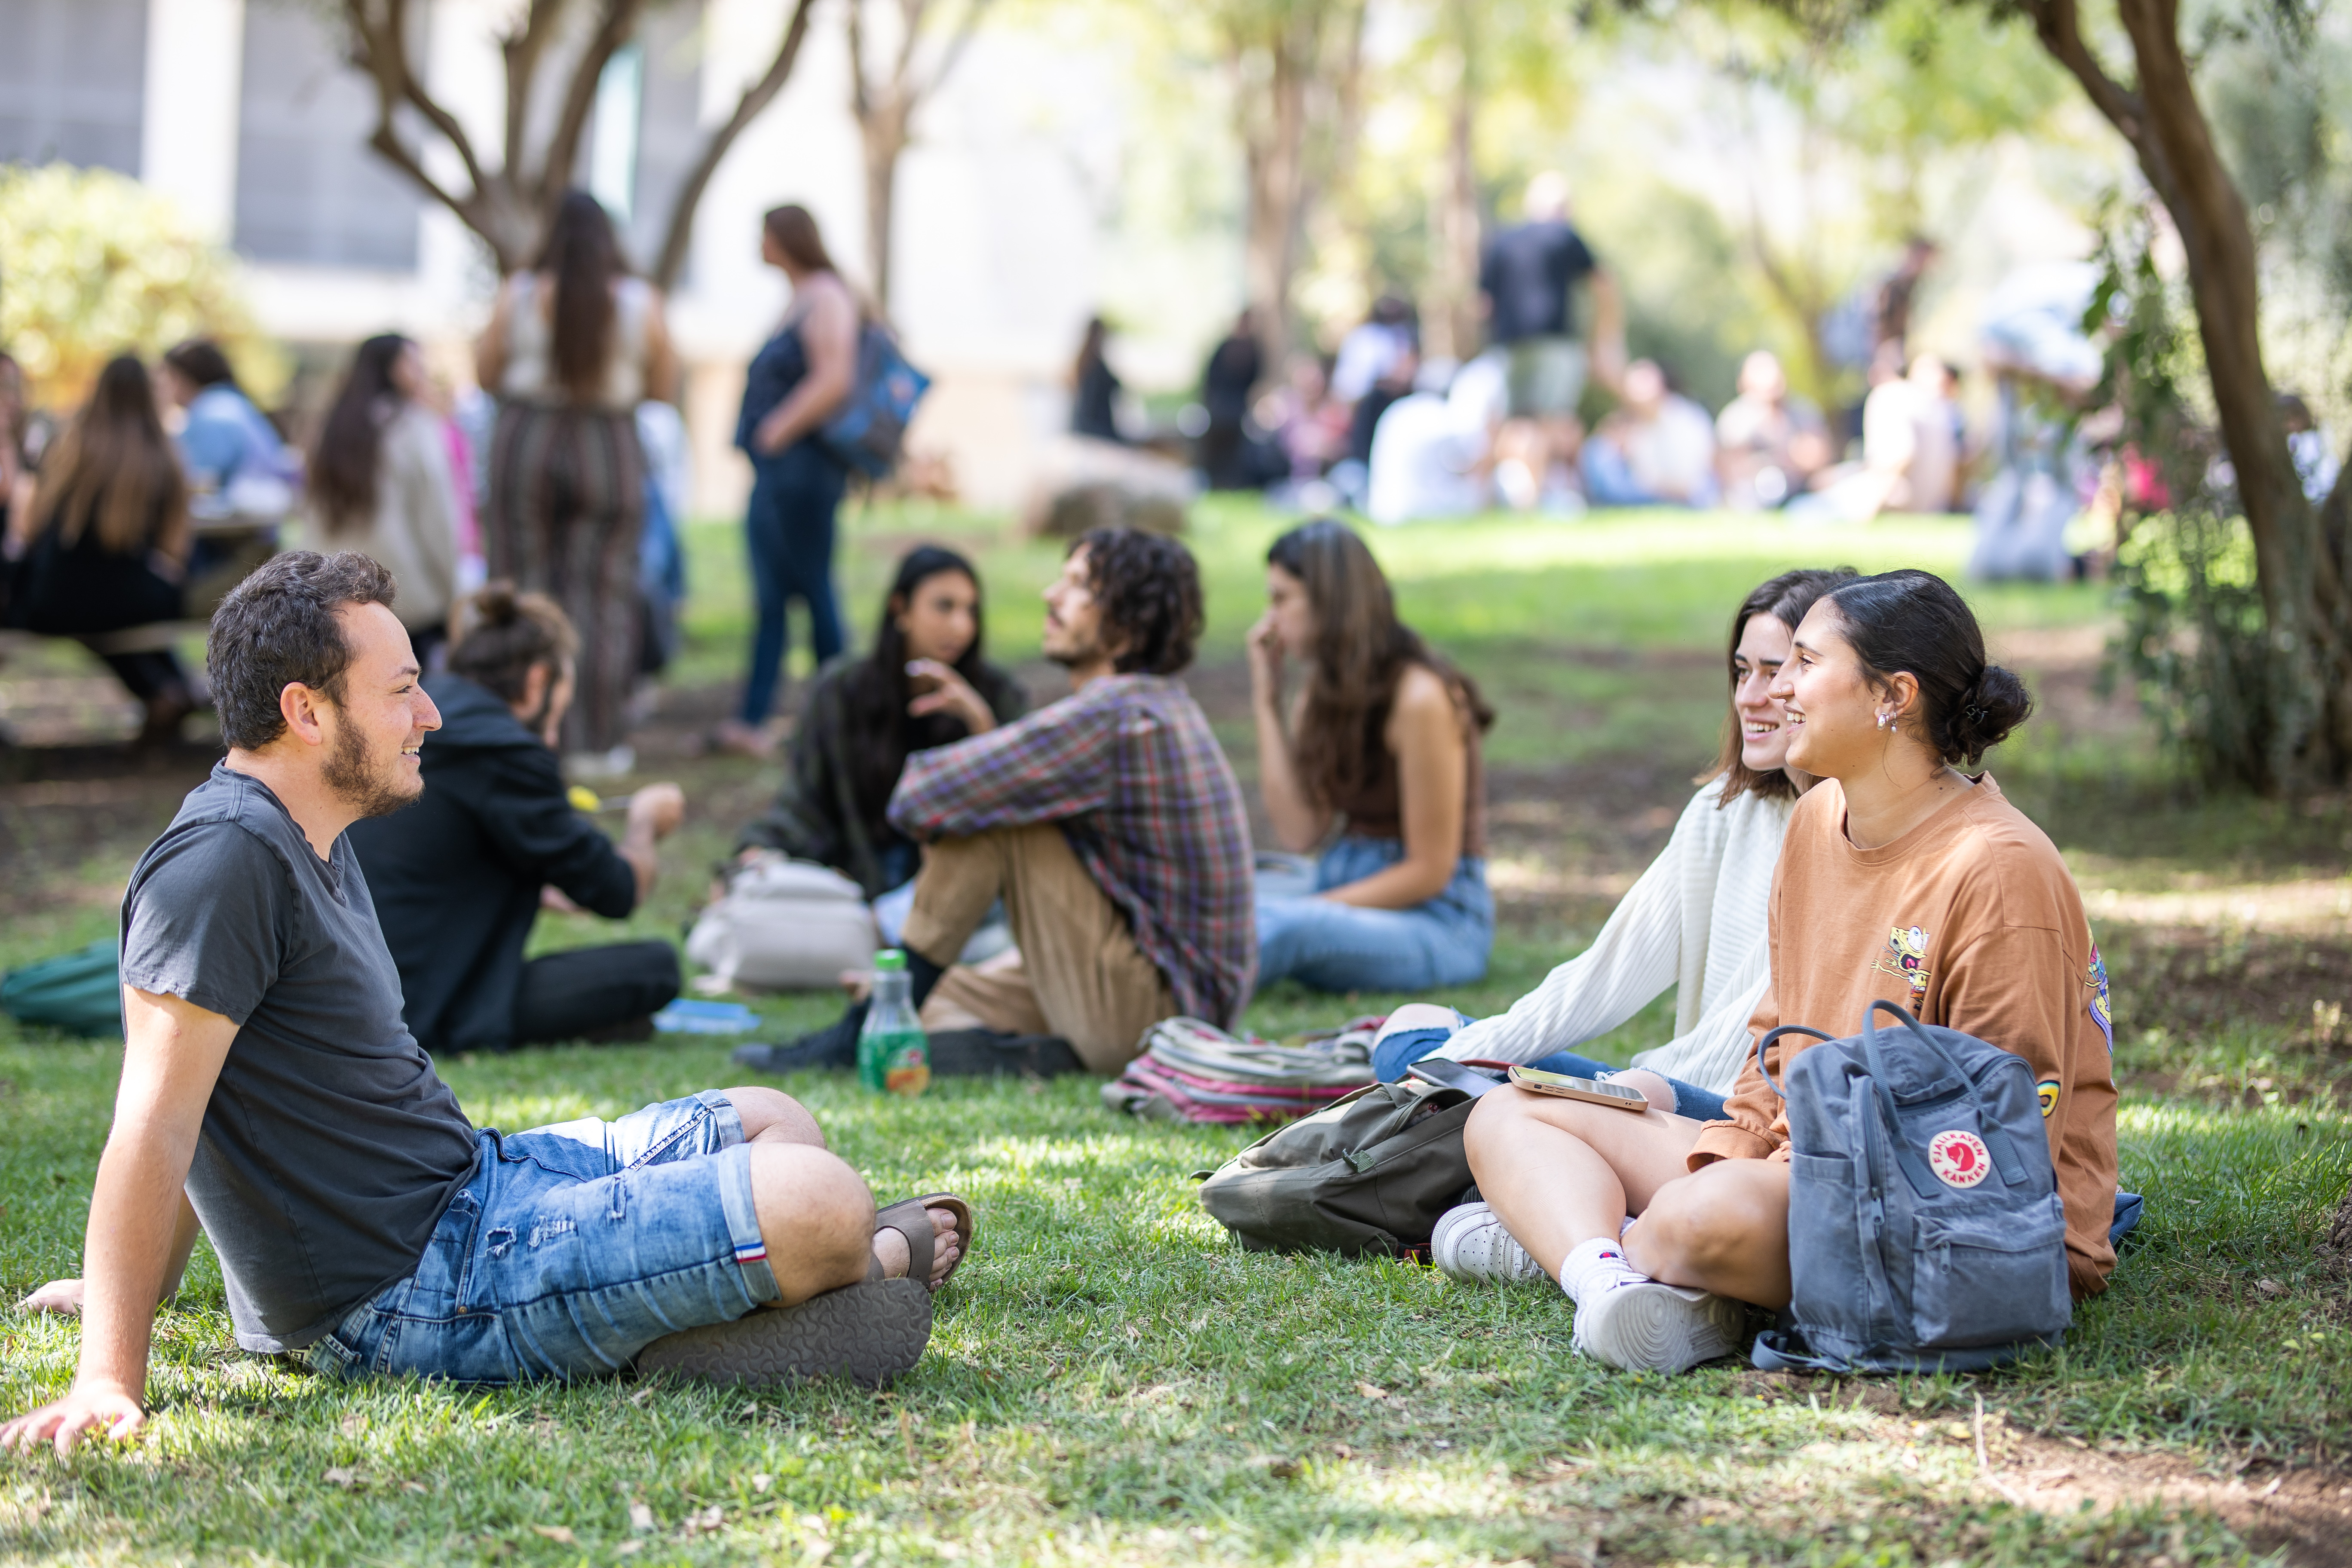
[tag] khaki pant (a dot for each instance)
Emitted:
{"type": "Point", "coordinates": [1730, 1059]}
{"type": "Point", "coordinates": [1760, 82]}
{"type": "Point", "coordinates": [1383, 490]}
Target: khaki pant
{"type": "Point", "coordinates": [1078, 973]}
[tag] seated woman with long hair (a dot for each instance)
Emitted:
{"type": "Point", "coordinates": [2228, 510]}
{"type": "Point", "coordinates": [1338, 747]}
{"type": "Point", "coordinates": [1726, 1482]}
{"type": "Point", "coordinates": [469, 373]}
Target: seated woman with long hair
{"type": "Point", "coordinates": [104, 545]}
{"type": "Point", "coordinates": [1382, 746]}
{"type": "Point", "coordinates": [926, 683]}
{"type": "Point", "coordinates": [380, 483]}
{"type": "Point", "coordinates": [1901, 877]}
{"type": "Point", "coordinates": [1695, 922]}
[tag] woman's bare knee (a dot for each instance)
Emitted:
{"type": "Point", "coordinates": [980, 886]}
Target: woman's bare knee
{"type": "Point", "coordinates": [772, 1116]}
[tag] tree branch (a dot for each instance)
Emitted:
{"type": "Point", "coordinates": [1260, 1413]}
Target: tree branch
{"type": "Point", "coordinates": [2059, 25]}
{"type": "Point", "coordinates": [972, 12]}
{"type": "Point", "coordinates": [521, 50]}
{"type": "Point", "coordinates": [381, 48]}
{"type": "Point", "coordinates": [757, 96]}
{"type": "Point", "coordinates": [620, 20]}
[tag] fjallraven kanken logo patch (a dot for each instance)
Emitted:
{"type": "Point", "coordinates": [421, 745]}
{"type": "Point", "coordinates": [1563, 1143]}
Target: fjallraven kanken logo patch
{"type": "Point", "coordinates": [1959, 1158]}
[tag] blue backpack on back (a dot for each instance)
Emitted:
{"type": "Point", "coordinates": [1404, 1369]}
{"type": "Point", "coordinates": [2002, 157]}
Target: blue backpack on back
{"type": "Point", "coordinates": [870, 429]}
{"type": "Point", "coordinates": [1925, 1231]}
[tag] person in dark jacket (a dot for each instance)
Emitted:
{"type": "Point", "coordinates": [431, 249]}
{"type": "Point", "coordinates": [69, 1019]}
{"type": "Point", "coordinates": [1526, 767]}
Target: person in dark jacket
{"type": "Point", "coordinates": [1094, 401]}
{"type": "Point", "coordinates": [925, 684]}
{"type": "Point", "coordinates": [458, 877]}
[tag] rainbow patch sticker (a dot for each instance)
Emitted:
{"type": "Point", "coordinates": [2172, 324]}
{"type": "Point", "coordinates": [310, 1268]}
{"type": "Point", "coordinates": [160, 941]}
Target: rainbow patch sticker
{"type": "Point", "coordinates": [2102, 1014]}
{"type": "Point", "coordinates": [2046, 1091]}
{"type": "Point", "coordinates": [1960, 1159]}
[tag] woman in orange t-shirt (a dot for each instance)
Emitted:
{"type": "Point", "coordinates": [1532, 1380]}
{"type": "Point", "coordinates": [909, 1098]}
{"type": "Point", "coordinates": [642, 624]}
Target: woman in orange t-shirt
{"type": "Point", "coordinates": [1900, 878]}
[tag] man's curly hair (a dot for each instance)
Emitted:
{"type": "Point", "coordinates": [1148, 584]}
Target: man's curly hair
{"type": "Point", "coordinates": [1150, 592]}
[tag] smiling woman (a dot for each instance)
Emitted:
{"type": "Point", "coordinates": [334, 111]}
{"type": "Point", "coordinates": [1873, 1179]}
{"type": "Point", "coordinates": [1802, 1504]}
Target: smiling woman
{"type": "Point", "coordinates": [1886, 689]}
{"type": "Point", "coordinates": [1694, 921]}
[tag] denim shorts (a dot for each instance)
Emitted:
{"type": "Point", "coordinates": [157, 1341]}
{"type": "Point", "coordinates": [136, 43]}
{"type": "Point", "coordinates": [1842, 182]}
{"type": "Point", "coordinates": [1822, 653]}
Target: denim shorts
{"type": "Point", "coordinates": [570, 1249]}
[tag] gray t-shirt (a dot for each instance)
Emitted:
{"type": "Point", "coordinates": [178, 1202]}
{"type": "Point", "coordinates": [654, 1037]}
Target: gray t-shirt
{"type": "Point", "coordinates": [330, 1146]}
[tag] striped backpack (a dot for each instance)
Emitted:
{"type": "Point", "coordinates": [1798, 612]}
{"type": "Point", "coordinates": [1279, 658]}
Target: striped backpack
{"type": "Point", "coordinates": [1193, 1071]}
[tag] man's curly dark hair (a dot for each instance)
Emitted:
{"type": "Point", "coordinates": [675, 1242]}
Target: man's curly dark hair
{"type": "Point", "coordinates": [1149, 588]}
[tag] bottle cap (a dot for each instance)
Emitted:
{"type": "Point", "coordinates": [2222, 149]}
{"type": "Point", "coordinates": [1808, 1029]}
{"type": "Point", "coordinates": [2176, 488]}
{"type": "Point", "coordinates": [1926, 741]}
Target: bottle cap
{"type": "Point", "coordinates": [889, 960]}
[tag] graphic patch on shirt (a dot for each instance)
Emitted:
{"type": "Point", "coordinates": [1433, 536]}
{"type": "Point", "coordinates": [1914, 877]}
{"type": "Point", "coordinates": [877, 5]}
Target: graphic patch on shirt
{"type": "Point", "coordinates": [2101, 1013]}
{"type": "Point", "coordinates": [1959, 1158]}
{"type": "Point", "coordinates": [2046, 1091]}
{"type": "Point", "coordinates": [1906, 958]}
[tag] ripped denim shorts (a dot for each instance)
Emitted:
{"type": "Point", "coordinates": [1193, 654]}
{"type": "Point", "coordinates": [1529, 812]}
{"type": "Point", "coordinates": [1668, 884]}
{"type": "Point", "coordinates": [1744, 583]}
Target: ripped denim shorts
{"type": "Point", "coordinates": [571, 1249]}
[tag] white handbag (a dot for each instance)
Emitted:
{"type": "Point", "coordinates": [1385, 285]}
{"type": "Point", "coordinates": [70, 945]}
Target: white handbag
{"type": "Point", "coordinates": [785, 925]}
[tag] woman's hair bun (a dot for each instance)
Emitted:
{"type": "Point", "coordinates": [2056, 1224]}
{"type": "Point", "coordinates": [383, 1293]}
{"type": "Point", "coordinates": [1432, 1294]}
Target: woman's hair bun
{"type": "Point", "coordinates": [493, 604]}
{"type": "Point", "coordinates": [1988, 709]}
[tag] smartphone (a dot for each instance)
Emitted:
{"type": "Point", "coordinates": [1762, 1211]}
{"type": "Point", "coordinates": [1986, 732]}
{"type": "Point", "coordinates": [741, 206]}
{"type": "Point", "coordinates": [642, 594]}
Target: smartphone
{"type": "Point", "coordinates": [1623, 1096]}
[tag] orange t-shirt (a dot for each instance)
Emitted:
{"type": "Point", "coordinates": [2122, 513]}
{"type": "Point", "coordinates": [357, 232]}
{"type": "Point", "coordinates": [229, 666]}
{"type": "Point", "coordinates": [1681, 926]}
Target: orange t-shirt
{"type": "Point", "coordinates": [1971, 921]}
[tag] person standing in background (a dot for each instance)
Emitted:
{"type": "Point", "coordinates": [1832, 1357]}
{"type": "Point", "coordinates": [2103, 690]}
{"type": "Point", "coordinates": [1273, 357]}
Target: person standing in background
{"type": "Point", "coordinates": [381, 484]}
{"type": "Point", "coordinates": [1094, 388]}
{"type": "Point", "coordinates": [1228, 456]}
{"type": "Point", "coordinates": [795, 383]}
{"type": "Point", "coordinates": [102, 543]}
{"type": "Point", "coordinates": [572, 346]}
{"type": "Point", "coordinates": [1527, 283]}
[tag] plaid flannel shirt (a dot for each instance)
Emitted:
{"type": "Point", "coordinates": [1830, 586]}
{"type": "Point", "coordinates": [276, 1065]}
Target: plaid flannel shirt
{"type": "Point", "coordinates": [1127, 765]}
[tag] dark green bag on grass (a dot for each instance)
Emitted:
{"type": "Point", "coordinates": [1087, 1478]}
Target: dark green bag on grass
{"type": "Point", "coordinates": [1369, 1173]}
{"type": "Point", "coordinates": [80, 993]}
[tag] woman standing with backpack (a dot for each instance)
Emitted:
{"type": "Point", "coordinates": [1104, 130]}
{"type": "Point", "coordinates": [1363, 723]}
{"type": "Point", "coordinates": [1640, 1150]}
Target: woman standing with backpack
{"type": "Point", "coordinates": [1901, 879]}
{"type": "Point", "coordinates": [574, 346]}
{"type": "Point", "coordinates": [796, 382]}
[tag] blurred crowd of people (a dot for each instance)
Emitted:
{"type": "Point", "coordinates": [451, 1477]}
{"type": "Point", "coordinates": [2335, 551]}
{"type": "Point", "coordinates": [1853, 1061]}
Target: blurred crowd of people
{"type": "Point", "coordinates": [1553, 417]}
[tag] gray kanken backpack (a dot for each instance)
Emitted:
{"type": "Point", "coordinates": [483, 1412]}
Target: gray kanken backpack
{"type": "Point", "coordinates": [1925, 1231]}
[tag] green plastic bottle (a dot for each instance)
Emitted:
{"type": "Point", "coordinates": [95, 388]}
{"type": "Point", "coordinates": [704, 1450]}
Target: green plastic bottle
{"type": "Point", "coordinates": [894, 1055]}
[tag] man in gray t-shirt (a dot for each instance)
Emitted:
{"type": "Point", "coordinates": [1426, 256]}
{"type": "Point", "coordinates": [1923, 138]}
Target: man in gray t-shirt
{"type": "Point", "coordinates": [359, 1217]}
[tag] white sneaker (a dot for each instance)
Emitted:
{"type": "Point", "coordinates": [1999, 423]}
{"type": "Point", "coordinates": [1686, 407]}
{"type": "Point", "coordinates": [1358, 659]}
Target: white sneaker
{"type": "Point", "coordinates": [1470, 1242]}
{"type": "Point", "coordinates": [1636, 1324]}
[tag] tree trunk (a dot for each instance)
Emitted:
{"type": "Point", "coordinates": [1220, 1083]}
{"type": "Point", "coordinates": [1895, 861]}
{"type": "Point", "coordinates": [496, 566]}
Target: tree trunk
{"type": "Point", "coordinates": [1275, 165]}
{"type": "Point", "coordinates": [2300, 565]}
{"type": "Point", "coordinates": [509, 206]}
{"type": "Point", "coordinates": [1449, 315]}
{"type": "Point", "coordinates": [884, 136]}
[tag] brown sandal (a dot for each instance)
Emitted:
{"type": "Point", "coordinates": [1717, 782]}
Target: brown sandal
{"type": "Point", "coordinates": [909, 1219]}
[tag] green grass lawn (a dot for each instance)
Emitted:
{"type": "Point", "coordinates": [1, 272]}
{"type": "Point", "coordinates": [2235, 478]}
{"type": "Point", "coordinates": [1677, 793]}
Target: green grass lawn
{"type": "Point", "coordinates": [1110, 1381]}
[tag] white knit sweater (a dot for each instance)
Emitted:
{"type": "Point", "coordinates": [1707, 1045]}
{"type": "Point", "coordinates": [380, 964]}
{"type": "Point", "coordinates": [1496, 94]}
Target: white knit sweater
{"type": "Point", "coordinates": [1697, 920]}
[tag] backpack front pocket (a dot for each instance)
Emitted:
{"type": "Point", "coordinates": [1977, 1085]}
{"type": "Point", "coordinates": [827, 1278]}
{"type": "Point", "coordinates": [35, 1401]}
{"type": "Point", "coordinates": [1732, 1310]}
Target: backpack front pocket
{"type": "Point", "coordinates": [1988, 1276]}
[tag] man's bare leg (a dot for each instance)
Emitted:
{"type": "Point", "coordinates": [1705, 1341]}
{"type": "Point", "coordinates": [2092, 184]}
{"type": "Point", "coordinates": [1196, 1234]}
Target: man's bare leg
{"type": "Point", "coordinates": [774, 1119]}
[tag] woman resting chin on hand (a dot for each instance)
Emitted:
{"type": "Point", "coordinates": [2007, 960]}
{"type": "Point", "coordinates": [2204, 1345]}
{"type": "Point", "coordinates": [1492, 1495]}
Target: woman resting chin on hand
{"type": "Point", "coordinates": [1900, 878]}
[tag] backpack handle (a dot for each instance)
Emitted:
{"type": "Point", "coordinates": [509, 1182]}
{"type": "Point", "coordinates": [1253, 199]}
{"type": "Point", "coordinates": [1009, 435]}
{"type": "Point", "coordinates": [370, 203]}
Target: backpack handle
{"type": "Point", "coordinates": [2004, 1153]}
{"type": "Point", "coordinates": [1767, 1038]}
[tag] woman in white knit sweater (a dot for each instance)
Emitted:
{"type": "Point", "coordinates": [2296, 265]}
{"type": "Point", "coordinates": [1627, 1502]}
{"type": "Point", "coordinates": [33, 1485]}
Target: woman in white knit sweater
{"type": "Point", "coordinates": [1696, 921]}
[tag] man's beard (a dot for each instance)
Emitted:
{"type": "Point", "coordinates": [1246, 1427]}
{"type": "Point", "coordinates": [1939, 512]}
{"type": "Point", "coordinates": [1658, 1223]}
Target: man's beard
{"type": "Point", "coordinates": [373, 794]}
{"type": "Point", "coordinates": [1087, 652]}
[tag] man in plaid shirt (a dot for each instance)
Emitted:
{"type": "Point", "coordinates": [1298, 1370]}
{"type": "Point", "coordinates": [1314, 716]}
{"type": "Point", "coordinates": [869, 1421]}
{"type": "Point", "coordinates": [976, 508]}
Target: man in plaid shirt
{"type": "Point", "coordinates": [1109, 823]}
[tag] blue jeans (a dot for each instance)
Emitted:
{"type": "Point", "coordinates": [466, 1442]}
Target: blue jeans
{"type": "Point", "coordinates": [1337, 947]}
{"type": "Point", "coordinates": [571, 1249]}
{"type": "Point", "coordinates": [790, 524]}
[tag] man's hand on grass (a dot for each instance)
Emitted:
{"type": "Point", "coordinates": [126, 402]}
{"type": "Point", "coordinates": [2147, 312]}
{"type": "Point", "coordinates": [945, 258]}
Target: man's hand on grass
{"type": "Point", "coordinates": [97, 1410]}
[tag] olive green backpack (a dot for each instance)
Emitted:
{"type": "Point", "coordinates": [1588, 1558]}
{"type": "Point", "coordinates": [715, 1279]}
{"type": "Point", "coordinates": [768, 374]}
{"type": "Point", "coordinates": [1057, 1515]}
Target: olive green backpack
{"type": "Point", "coordinates": [1369, 1173]}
